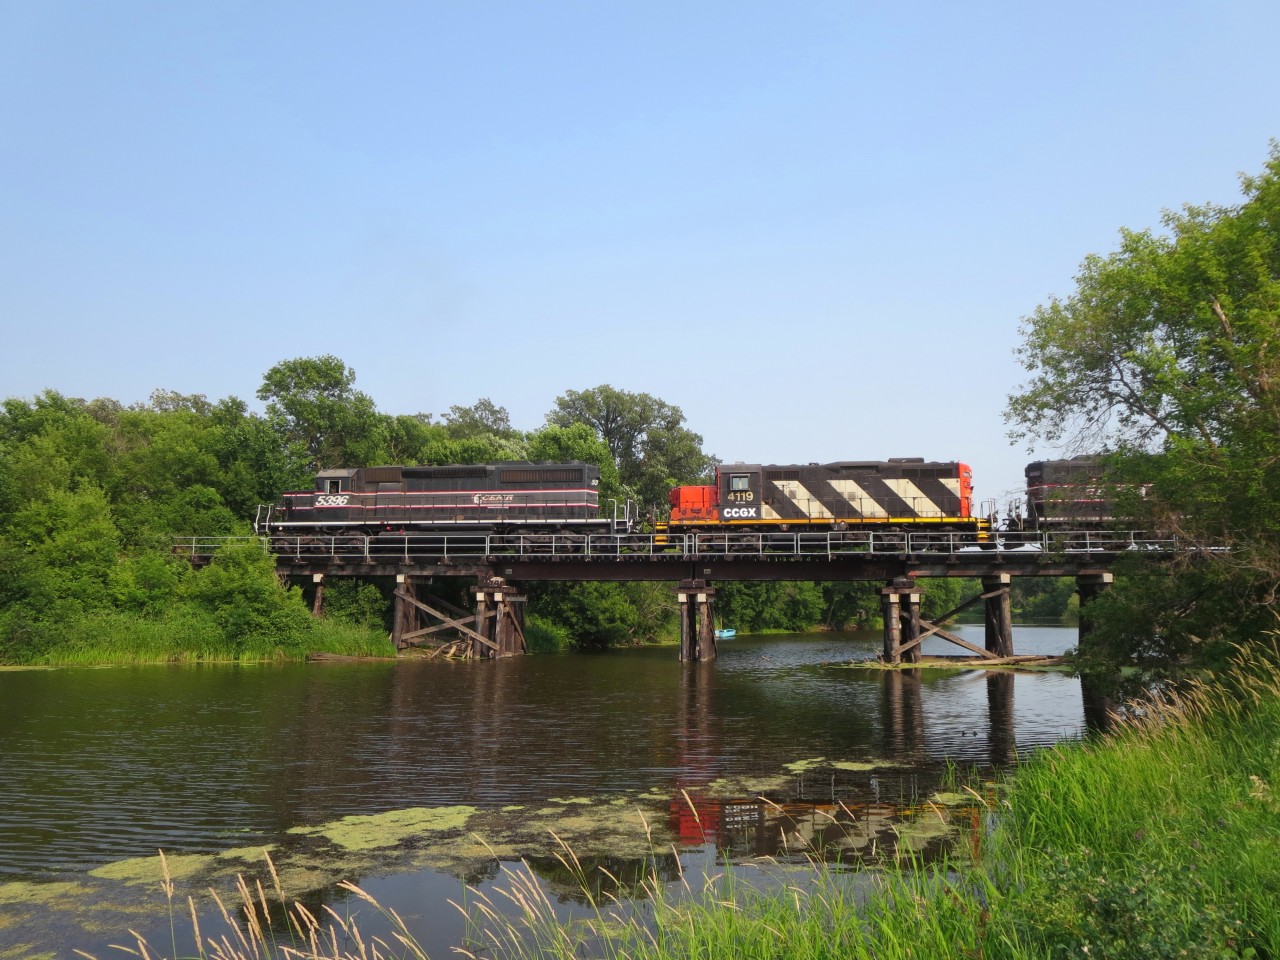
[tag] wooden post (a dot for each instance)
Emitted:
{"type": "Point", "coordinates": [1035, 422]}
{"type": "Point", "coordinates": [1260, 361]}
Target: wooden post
{"type": "Point", "coordinates": [900, 609]}
{"type": "Point", "coordinates": [317, 605]}
{"type": "Point", "coordinates": [483, 625]}
{"type": "Point", "coordinates": [999, 614]}
{"type": "Point", "coordinates": [697, 621]}
{"type": "Point", "coordinates": [909, 612]}
{"type": "Point", "coordinates": [405, 617]}
{"type": "Point", "coordinates": [892, 625]}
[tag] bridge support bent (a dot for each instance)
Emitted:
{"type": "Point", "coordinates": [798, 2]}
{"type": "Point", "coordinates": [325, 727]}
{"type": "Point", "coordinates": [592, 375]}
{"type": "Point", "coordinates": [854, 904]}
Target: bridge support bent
{"type": "Point", "coordinates": [697, 620]}
{"type": "Point", "coordinates": [900, 608]}
{"type": "Point", "coordinates": [495, 630]}
{"type": "Point", "coordinates": [500, 619]}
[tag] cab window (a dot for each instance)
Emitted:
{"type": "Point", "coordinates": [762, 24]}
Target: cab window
{"type": "Point", "coordinates": [739, 481]}
{"type": "Point", "coordinates": [335, 486]}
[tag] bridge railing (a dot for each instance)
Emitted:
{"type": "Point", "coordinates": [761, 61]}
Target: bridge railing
{"type": "Point", "coordinates": [830, 545]}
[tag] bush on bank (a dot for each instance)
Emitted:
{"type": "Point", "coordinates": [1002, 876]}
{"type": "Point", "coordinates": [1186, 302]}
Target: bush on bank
{"type": "Point", "coordinates": [155, 608]}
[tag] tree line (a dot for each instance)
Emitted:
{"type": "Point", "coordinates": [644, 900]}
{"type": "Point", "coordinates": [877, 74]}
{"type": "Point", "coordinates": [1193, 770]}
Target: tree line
{"type": "Point", "coordinates": [94, 493]}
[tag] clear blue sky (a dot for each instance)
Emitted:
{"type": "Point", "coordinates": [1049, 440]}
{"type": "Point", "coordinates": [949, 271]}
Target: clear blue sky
{"type": "Point", "coordinates": [813, 226]}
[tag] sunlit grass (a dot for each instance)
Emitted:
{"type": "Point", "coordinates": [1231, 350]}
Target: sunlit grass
{"type": "Point", "coordinates": [187, 635]}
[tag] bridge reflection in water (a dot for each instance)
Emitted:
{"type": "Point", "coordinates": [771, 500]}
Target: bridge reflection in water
{"type": "Point", "coordinates": [854, 813]}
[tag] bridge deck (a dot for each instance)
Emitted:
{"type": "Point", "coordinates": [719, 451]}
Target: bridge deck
{"type": "Point", "coordinates": [854, 555]}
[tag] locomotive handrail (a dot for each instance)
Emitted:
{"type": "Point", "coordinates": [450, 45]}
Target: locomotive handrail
{"type": "Point", "coordinates": [807, 545]}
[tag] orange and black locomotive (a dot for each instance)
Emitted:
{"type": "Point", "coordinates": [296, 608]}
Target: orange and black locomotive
{"type": "Point", "coordinates": [905, 493]}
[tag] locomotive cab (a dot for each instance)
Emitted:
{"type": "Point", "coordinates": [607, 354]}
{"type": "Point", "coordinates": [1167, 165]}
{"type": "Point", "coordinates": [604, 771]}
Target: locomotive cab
{"type": "Point", "coordinates": [332, 482]}
{"type": "Point", "coordinates": [741, 496]}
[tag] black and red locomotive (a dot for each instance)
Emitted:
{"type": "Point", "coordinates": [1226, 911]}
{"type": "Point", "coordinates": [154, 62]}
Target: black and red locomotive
{"type": "Point", "coordinates": [498, 497]}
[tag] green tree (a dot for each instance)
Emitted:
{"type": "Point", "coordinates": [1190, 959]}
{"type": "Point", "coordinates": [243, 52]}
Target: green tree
{"type": "Point", "coordinates": [239, 589]}
{"type": "Point", "coordinates": [646, 437]}
{"type": "Point", "coordinates": [312, 401]}
{"type": "Point", "coordinates": [593, 614]}
{"type": "Point", "coordinates": [254, 465]}
{"type": "Point", "coordinates": [849, 603]}
{"type": "Point", "coordinates": [482, 417]}
{"type": "Point", "coordinates": [577, 443]}
{"type": "Point", "coordinates": [1168, 355]}
{"type": "Point", "coordinates": [771, 605]}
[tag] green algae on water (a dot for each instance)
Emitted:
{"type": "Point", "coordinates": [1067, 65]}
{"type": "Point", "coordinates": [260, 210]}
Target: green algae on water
{"type": "Point", "coordinates": [946, 799]}
{"type": "Point", "coordinates": [148, 869]}
{"type": "Point", "coordinates": [21, 892]}
{"type": "Point", "coordinates": [800, 766]}
{"type": "Point", "coordinates": [389, 829]}
{"type": "Point", "coordinates": [248, 854]}
{"type": "Point", "coordinates": [849, 766]}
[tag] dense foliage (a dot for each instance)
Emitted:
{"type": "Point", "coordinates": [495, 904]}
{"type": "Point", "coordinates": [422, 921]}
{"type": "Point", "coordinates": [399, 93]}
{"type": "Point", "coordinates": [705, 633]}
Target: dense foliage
{"type": "Point", "coordinates": [93, 495]}
{"type": "Point", "coordinates": [1167, 357]}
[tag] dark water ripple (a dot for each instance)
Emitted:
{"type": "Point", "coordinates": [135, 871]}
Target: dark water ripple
{"type": "Point", "coordinates": [105, 764]}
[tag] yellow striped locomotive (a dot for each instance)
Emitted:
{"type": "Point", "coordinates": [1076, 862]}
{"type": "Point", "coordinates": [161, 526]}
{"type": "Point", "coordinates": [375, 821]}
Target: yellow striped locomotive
{"type": "Point", "coordinates": [898, 494]}
{"type": "Point", "coordinates": [491, 497]}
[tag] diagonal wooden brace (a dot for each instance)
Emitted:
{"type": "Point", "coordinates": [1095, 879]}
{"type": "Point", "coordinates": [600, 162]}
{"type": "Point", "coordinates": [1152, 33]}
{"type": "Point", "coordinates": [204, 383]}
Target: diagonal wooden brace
{"type": "Point", "coordinates": [446, 621]}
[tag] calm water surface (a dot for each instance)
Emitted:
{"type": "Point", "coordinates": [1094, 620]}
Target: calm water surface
{"type": "Point", "coordinates": [99, 766]}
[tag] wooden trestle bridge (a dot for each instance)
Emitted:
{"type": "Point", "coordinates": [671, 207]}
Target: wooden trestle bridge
{"type": "Point", "coordinates": [499, 564]}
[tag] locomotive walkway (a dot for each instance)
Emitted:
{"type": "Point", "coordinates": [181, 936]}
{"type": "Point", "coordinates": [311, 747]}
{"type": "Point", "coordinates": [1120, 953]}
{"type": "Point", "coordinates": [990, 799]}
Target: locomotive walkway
{"type": "Point", "coordinates": [497, 562]}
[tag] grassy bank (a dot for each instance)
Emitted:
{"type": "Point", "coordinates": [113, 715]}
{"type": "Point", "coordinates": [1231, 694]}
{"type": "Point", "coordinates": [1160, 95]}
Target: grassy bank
{"type": "Point", "coordinates": [1162, 840]}
{"type": "Point", "coordinates": [186, 635]}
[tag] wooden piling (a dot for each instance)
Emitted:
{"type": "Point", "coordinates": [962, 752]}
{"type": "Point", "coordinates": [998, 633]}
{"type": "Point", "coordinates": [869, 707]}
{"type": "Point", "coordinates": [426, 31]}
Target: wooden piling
{"type": "Point", "coordinates": [697, 620]}
{"type": "Point", "coordinates": [999, 614]}
{"type": "Point", "coordinates": [900, 612]}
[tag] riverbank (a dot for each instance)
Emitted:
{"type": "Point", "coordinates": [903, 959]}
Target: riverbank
{"type": "Point", "coordinates": [186, 635]}
{"type": "Point", "coordinates": [1158, 841]}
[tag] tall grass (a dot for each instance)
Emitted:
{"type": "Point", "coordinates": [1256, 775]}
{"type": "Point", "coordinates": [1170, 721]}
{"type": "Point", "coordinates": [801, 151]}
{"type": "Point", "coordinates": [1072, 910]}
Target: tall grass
{"type": "Point", "coordinates": [1161, 841]}
{"type": "Point", "coordinates": [188, 634]}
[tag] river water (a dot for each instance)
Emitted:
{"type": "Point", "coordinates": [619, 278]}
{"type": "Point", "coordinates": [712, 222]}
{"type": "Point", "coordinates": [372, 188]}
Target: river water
{"type": "Point", "coordinates": [448, 772]}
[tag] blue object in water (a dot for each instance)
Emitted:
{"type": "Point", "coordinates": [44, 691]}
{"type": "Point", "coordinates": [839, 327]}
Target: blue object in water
{"type": "Point", "coordinates": [728, 633]}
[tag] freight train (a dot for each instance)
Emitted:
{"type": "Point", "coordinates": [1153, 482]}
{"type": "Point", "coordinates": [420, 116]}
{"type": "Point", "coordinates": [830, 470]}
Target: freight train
{"type": "Point", "coordinates": [514, 497]}
{"type": "Point", "coordinates": [904, 494]}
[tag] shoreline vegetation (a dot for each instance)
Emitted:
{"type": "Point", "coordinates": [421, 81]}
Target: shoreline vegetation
{"type": "Point", "coordinates": [1157, 840]}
